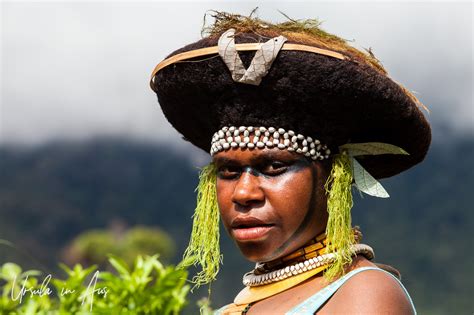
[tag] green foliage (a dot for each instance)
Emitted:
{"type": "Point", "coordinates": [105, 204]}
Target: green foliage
{"type": "Point", "coordinates": [147, 287]}
{"type": "Point", "coordinates": [141, 240]}
{"type": "Point", "coordinates": [90, 247]}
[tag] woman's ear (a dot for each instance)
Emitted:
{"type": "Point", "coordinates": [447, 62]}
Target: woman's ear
{"type": "Point", "coordinates": [322, 169]}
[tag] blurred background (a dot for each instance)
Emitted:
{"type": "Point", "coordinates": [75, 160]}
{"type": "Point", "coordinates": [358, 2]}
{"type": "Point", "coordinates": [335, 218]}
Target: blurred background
{"type": "Point", "coordinates": [89, 164]}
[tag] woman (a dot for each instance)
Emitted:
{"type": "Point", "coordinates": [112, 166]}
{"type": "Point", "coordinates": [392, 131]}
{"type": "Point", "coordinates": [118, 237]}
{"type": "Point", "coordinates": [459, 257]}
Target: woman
{"type": "Point", "coordinates": [292, 117]}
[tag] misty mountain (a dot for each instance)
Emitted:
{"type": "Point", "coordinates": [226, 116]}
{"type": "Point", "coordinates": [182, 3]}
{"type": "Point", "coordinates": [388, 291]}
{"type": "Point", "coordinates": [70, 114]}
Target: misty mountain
{"type": "Point", "coordinates": [51, 193]}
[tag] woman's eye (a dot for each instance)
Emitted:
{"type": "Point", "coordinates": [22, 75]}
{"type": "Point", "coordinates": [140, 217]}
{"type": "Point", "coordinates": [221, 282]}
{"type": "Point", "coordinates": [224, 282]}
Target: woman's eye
{"type": "Point", "coordinates": [228, 171]}
{"type": "Point", "coordinates": [275, 168]}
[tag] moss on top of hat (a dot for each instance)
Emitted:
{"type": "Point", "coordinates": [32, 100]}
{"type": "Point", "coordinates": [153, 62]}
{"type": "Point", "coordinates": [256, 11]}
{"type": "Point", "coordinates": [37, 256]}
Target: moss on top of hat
{"type": "Point", "coordinates": [304, 31]}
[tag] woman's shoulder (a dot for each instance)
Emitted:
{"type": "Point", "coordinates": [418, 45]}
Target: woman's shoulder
{"type": "Point", "coordinates": [365, 289]}
{"type": "Point", "coordinates": [370, 290]}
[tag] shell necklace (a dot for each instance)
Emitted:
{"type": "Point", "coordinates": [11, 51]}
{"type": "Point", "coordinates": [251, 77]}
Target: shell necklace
{"type": "Point", "coordinates": [313, 255]}
{"type": "Point", "coordinates": [252, 279]}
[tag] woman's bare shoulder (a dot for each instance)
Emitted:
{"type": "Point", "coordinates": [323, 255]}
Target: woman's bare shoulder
{"type": "Point", "coordinates": [370, 292]}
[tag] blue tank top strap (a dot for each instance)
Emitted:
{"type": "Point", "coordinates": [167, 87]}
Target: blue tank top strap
{"type": "Point", "coordinates": [314, 303]}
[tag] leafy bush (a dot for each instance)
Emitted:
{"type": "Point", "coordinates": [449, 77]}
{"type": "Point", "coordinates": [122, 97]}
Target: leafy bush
{"type": "Point", "coordinates": [90, 247]}
{"type": "Point", "coordinates": [147, 287]}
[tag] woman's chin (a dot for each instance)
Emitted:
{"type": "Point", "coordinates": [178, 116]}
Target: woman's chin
{"type": "Point", "coordinates": [263, 251]}
{"type": "Point", "coordinates": [258, 252]}
{"type": "Point", "coordinates": [254, 251]}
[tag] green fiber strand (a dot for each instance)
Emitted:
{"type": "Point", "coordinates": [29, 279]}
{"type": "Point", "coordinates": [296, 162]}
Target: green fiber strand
{"type": "Point", "coordinates": [339, 231]}
{"type": "Point", "coordinates": [203, 248]}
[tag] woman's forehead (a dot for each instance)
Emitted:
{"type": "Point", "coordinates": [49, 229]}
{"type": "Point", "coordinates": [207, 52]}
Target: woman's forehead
{"type": "Point", "coordinates": [246, 156]}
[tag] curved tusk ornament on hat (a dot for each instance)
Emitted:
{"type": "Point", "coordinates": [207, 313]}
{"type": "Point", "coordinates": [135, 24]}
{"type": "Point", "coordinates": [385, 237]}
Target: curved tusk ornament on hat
{"type": "Point", "coordinates": [261, 62]}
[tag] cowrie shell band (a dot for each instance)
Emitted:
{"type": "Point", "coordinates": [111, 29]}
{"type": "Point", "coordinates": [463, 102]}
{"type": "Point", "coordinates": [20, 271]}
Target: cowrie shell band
{"type": "Point", "coordinates": [262, 137]}
{"type": "Point", "coordinates": [251, 279]}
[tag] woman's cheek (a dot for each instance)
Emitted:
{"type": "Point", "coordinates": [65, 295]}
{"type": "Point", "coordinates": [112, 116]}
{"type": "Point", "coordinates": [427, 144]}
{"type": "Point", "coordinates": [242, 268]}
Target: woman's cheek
{"type": "Point", "coordinates": [224, 202]}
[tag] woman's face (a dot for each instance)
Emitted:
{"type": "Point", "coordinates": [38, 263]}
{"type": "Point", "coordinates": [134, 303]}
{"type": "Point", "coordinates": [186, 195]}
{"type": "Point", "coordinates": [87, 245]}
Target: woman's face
{"type": "Point", "coordinates": [271, 201]}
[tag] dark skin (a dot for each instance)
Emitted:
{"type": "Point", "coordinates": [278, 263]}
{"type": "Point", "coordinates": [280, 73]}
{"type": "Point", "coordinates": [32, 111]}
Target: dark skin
{"type": "Point", "coordinates": [284, 191]}
{"type": "Point", "coordinates": [277, 187]}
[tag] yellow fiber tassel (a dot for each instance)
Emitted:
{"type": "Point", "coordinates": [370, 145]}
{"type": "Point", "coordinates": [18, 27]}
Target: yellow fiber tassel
{"type": "Point", "coordinates": [338, 230]}
{"type": "Point", "coordinates": [203, 248]}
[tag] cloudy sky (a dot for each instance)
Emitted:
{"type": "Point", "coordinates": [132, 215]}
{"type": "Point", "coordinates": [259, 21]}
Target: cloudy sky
{"type": "Point", "coordinates": [79, 69]}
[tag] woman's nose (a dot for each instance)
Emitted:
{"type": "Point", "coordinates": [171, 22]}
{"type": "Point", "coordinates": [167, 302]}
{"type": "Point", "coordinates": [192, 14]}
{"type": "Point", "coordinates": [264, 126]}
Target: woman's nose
{"type": "Point", "coordinates": [247, 190]}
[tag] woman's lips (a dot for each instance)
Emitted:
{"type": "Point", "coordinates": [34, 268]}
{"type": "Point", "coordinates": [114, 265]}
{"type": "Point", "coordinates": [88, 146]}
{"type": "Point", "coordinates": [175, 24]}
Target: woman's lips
{"type": "Point", "coordinates": [251, 232]}
{"type": "Point", "coordinates": [249, 228]}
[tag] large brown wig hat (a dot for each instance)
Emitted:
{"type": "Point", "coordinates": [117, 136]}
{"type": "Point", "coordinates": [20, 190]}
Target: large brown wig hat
{"type": "Point", "coordinates": [317, 86]}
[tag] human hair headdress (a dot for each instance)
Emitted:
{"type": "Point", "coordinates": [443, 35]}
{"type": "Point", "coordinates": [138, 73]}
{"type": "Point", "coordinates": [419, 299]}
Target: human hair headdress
{"type": "Point", "coordinates": [251, 84]}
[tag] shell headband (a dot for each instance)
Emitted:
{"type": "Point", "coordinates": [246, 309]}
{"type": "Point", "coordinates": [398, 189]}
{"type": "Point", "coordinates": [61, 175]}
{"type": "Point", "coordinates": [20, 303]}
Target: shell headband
{"type": "Point", "coordinates": [261, 137]}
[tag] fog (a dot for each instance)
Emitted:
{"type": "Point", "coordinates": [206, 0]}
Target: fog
{"type": "Point", "coordinates": [74, 70]}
